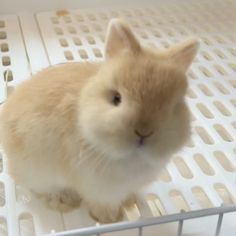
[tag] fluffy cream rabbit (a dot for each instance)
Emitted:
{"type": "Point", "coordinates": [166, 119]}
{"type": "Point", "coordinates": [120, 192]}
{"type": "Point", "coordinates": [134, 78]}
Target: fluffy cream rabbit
{"type": "Point", "coordinates": [99, 131]}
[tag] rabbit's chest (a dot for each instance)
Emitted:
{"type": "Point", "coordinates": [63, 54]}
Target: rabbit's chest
{"type": "Point", "coordinates": [119, 179]}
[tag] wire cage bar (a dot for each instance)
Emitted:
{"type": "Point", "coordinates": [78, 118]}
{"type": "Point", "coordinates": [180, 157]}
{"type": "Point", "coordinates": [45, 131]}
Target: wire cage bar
{"type": "Point", "coordinates": [140, 224]}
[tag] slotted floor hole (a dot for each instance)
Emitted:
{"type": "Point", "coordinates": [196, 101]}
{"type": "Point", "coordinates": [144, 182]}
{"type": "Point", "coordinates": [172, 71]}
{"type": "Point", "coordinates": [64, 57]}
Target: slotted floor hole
{"type": "Point", "coordinates": [54, 20]}
{"type": "Point", "coordinates": [103, 16]}
{"type": "Point", "coordinates": [232, 51]}
{"type": "Point", "coordinates": [8, 76]}
{"type": "Point", "coordinates": [69, 55]}
{"type": "Point", "coordinates": [58, 31]}
{"type": "Point", "coordinates": [165, 44]}
{"type": "Point", "coordinates": [157, 34]}
{"type": "Point", "coordinates": [207, 56]}
{"type": "Point", "coordinates": [85, 28]}
{"type": "Point", "coordinates": [90, 39]}
{"type": "Point", "coordinates": [23, 195]}
{"type": "Point", "coordinates": [183, 168]}
{"type": "Point", "coordinates": [222, 109]}
{"type": "Point", "coordinates": [221, 88]}
{"type": "Point", "coordinates": [67, 19]}
{"type": "Point", "coordinates": [97, 27]}
{"type": "Point", "coordinates": [205, 111]}
{"type": "Point", "coordinates": [6, 61]}
{"type": "Point", "coordinates": [26, 225]}
{"type": "Point", "coordinates": [178, 200]}
{"type": "Point", "coordinates": [132, 213]}
{"type": "Point", "coordinates": [220, 54]}
{"type": "Point", "coordinates": [205, 90]}
{"type": "Point", "coordinates": [102, 37]}
{"type": "Point", "coordinates": [115, 14]}
{"type": "Point", "coordinates": [3, 227]}
{"type": "Point", "coordinates": [91, 17]}
{"type": "Point", "coordinates": [143, 34]}
{"type": "Point", "coordinates": [206, 138]}
{"type": "Point", "coordinates": [190, 142]}
{"type": "Point", "coordinates": [3, 35]}
{"type": "Point", "coordinates": [234, 124]}
{"type": "Point", "coordinates": [224, 161]}
{"type": "Point", "coordinates": [203, 164]}
{"type": "Point", "coordinates": [127, 13]}
{"type": "Point", "coordinates": [1, 163]}
{"type": "Point", "coordinates": [219, 39]}
{"type": "Point", "coordinates": [220, 69]}
{"type": "Point", "coordinates": [4, 47]}
{"type": "Point", "coordinates": [79, 18]}
{"type": "Point", "coordinates": [71, 30]}
{"type": "Point", "coordinates": [134, 24]}
{"type": "Point", "coordinates": [201, 197]}
{"type": "Point", "coordinates": [233, 101]}
{"type": "Point", "coordinates": [2, 194]}
{"type": "Point", "coordinates": [233, 83]}
{"type": "Point", "coordinates": [63, 42]}
{"type": "Point", "coordinates": [205, 71]}
{"type": "Point", "coordinates": [191, 94]}
{"type": "Point", "coordinates": [165, 176]}
{"type": "Point", "coordinates": [232, 66]}
{"type": "Point", "coordinates": [224, 193]}
{"type": "Point", "coordinates": [206, 41]}
{"type": "Point", "coordinates": [97, 52]}
{"type": "Point", "coordinates": [155, 205]}
{"type": "Point", "coordinates": [223, 133]}
{"type": "Point", "coordinates": [83, 54]}
{"type": "Point", "coordinates": [77, 41]}
{"type": "Point", "coordinates": [2, 24]}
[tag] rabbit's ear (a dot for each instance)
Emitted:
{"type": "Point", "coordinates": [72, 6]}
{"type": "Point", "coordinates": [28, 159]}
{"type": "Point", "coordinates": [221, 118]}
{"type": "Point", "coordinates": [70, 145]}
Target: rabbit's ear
{"type": "Point", "coordinates": [184, 53]}
{"type": "Point", "coordinates": [119, 38]}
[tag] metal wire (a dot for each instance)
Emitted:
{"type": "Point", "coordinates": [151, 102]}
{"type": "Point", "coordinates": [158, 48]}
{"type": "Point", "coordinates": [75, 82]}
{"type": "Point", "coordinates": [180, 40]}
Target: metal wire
{"type": "Point", "coordinates": [139, 224]}
{"type": "Point", "coordinates": [140, 231]}
{"type": "Point", "coordinates": [219, 224]}
{"type": "Point", "coordinates": [180, 225]}
{"type": "Point", "coordinates": [180, 228]}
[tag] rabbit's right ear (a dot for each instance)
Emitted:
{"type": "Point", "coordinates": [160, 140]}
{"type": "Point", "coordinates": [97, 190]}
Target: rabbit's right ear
{"type": "Point", "coordinates": [119, 38]}
{"type": "Point", "coordinates": [183, 53]}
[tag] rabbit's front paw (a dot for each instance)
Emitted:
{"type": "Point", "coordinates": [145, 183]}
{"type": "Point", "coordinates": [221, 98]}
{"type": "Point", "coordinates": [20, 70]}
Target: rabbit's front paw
{"type": "Point", "coordinates": [106, 215]}
{"type": "Point", "coordinates": [63, 201]}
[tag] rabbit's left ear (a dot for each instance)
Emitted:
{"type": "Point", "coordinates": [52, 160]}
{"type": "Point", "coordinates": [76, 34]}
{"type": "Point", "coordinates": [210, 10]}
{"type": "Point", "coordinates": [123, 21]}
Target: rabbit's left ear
{"type": "Point", "coordinates": [184, 53]}
{"type": "Point", "coordinates": [119, 38]}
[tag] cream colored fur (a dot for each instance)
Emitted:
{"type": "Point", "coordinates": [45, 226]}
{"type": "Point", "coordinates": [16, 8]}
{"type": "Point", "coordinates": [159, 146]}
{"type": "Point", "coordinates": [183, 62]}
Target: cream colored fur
{"type": "Point", "coordinates": [62, 134]}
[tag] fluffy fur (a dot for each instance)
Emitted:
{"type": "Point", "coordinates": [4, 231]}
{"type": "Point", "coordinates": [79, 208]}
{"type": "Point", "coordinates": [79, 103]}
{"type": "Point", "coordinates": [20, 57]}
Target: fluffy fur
{"type": "Point", "coordinates": [66, 140]}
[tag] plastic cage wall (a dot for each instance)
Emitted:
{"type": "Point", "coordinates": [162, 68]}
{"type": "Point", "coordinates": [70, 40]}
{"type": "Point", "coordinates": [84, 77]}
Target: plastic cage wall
{"type": "Point", "coordinates": [202, 176]}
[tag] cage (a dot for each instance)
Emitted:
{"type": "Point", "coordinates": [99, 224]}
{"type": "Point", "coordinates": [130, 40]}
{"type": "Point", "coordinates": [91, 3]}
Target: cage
{"type": "Point", "coordinates": [195, 194]}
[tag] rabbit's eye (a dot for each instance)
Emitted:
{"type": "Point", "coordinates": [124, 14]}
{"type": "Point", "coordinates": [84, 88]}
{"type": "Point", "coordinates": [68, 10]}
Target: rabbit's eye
{"type": "Point", "coordinates": [116, 99]}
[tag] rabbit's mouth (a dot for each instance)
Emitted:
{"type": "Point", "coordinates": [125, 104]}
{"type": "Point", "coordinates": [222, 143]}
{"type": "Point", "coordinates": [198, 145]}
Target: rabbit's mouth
{"type": "Point", "coordinates": [142, 139]}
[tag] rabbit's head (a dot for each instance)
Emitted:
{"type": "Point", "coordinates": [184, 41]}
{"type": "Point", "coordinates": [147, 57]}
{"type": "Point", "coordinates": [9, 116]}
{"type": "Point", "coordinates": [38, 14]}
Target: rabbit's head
{"type": "Point", "coordinates": [135, 104]}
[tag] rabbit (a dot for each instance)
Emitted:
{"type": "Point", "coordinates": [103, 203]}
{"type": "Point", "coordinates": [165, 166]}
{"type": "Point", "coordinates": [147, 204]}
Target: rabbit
{"type": "Point", "coordinates": [99, 131]}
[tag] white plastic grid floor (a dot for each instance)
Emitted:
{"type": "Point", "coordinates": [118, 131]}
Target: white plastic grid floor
{"type": "Point", "coordinates": [203, 174]}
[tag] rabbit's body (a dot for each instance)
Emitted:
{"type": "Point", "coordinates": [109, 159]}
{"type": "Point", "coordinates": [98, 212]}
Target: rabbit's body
{"type": "Point", "coordinates": [99, 132]}
{"type": "Point", "coordinates": [47, 108]}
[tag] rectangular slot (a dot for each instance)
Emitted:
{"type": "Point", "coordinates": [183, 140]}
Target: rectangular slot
{"type": "Point", "coordinates": [201, 197]}
{"type": "Point", "coordinates": [203, 164]}
{"type": "Point", "coordinates": [206, 138]}
{"type": "Point", "coordinates": [223, 133]}
{"type": "Point", "coordinates": [224, 161]}
{"type": "Point", "coordinates": [178, 200]}
{"type": "Point", "coordinates": [224, 193]}
{"type": "Point", "coordinates": [183, 168]}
